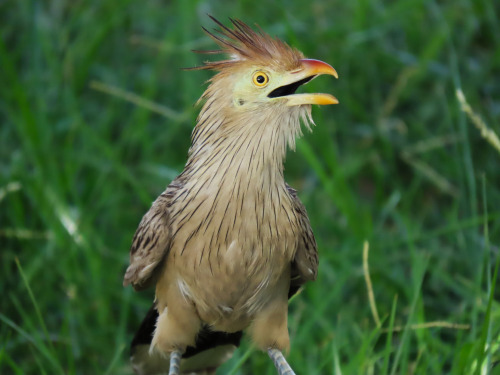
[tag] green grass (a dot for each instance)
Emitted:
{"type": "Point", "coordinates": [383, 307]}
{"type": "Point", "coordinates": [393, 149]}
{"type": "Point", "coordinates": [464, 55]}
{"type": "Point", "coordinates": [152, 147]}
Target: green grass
{"type": "Point", "coordinates": [96, 118]}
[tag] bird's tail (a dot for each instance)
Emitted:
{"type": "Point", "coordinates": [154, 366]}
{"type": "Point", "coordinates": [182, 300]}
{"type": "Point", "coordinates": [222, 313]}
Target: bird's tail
{"type": "Point", "coordinates": [211, 350]}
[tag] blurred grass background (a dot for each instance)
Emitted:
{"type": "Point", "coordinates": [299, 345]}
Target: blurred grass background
{"type": "Point", "coordinates": [96, 117]}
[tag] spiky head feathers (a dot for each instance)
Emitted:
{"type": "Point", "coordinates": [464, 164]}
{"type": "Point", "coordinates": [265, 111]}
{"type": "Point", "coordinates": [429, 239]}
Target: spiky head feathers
{"type": "Point", "coordinates": [249, 47]}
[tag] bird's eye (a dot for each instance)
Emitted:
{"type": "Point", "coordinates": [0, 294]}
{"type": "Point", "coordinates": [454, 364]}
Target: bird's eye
{"type": "Point", "coordinates": [260, 79]}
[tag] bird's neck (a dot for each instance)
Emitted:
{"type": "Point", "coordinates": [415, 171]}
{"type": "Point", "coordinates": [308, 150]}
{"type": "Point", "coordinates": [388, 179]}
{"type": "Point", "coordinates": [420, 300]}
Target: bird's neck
{"type": "Point", "coordinates": [244, 146]}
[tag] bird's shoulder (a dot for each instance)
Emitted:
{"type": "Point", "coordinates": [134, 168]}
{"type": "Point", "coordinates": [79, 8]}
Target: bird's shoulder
{"type": "Point", "coordinates": [299, 208]}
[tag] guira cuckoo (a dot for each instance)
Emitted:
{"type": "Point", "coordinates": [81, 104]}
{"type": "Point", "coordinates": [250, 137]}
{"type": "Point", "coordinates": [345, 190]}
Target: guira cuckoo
{"type": "Point", "coordinates": [228, 242]}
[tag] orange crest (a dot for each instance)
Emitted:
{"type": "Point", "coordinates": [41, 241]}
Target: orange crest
{"type": "Point", "coordinates": [247, 46]}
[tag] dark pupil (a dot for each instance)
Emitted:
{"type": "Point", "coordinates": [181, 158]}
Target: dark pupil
{"type": "Point", "coordinates": [261, 79]}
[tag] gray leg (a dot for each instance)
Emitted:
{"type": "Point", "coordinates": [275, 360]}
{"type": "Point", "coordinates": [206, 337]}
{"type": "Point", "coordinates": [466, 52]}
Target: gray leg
{"type": "Point", "coordinates": [175, 362]}
{"type": "Point", "coordinates": [280, 362]}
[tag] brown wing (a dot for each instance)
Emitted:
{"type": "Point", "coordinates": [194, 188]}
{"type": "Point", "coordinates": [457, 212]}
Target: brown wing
{"type": "Point", "coordinates": [150, 245]}
{"type": "Point", "coordinates": [305, 263]}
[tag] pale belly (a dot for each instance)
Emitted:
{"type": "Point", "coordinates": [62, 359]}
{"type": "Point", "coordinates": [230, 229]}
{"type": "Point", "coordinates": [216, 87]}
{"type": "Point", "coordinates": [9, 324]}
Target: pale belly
{"type": "Point", "coordinates": [230, 286]}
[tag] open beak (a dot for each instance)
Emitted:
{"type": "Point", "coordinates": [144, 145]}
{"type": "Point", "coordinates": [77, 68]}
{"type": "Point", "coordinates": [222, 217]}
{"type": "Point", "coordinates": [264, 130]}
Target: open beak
{"type": "Point", "coordinates": [309, 70]}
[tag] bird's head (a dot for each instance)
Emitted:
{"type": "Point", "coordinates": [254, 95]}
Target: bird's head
{"type": "Point", "coordinates": [253, 95]}
{"type": "Point", "coordinates": [263, 70]}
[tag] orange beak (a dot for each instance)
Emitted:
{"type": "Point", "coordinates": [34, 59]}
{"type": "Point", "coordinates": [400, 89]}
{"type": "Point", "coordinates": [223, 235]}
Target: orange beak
{"type": "Point", "coordinates": [316, 67]}
{"type": "Point", "coordinates": [311, 69]}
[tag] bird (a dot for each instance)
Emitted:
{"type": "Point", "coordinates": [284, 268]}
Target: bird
{"type": "Point", "coordinates": [229, 242]}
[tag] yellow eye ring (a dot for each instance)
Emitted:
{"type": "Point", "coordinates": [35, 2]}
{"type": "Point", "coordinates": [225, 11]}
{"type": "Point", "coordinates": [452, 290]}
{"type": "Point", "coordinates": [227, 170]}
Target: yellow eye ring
{"type": "Point", "coordinates": [260, 79]}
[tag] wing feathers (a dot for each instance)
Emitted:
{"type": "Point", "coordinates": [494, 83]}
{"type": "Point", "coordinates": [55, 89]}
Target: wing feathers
{"type": "Point", "coordinates": [150, 245]}
{"type": "Point", "coordinates": [305, 263]}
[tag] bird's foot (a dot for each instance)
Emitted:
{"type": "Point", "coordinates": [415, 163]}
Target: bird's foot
{"type": "Point", "coordinates": [280, 362]}
{"type": "Point", "coordinates": [175, 362]}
